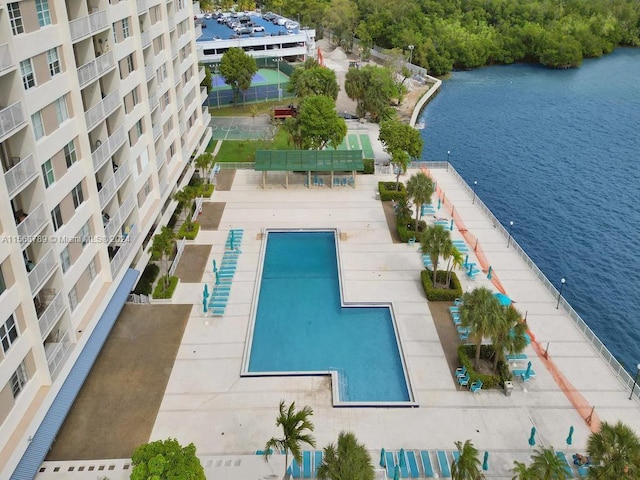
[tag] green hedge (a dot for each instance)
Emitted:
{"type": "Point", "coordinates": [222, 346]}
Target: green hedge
{"type": "Point", "coordinates": [440, 294]}
{"type": "Point", "coordinates": [369, 166]}
{"type": "Point", "coordinates": [406, 228]}
{"type": "Point", "coordinates": [466, 356]}
{"type": "Point", "coordinates": [388, 191]}
{"type": "Point", "coordinates": [159, 292]}
{"type": "Point", "coordinates": [149, 275]}
{"type": "Point", "coordinates": [206, 190]}
{"type": "Point", "coordinates": [188, 234]}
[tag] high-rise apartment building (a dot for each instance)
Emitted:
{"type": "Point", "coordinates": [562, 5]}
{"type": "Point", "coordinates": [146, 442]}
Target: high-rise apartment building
{"type": "Point", "coordinates": [100, 114]}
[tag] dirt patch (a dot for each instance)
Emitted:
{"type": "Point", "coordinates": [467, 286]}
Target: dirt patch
{"type": "Point", "coordinates": [409, 101]}
{"type": "Point", "coordinates": [390, 215]}
{"type": "Point", "coordinates": [447, 334]}
{"type": "Point", "coordinates": [209, 218]}
{"type": "Point", "coordinates": [118, 403]}
{"type": "Point", "coordinates": [192, 263]}
{"type": "Point", "coordinates": [224, 180]}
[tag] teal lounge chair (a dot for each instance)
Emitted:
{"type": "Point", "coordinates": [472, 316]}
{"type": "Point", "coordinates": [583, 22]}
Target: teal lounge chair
{"type": "Point", "coordinates": [426, 464]}
{"type": "Point", "coordinates": [402, 463]}
{"type": "Point", "coordinates": [295, 469]}
{"type": "Point", "coordinates": [306, 464]}
{"type": "Point", "coordinates": [567, 467]}
{"type": "Point", "coordinates": [443, 463]}
{"type": "Point", "coordinates": [456, 455]}
{"type": "Point", "coordinates": [516, 356]}
{"type": "Point", "coordinates": [476, 386]}
{"type": "Point", "coordinates": [413, 464]}
{"type": "Point", "coordinates": [390, 464]}
{"type": "Point", "coordinates": [461, 372]}
{"type": "Point", "coordinates": [464, 381]}
{"type": "Point", "coordinates": [317, 461]}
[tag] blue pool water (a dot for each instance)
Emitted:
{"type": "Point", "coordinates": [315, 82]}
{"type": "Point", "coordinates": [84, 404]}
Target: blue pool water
{"type": "Point", "coordinates": [300, 325]}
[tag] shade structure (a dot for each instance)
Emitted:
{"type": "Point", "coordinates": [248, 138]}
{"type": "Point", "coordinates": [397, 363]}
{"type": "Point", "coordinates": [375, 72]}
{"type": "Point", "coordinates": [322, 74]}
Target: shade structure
{"type": "Point", "coordinates": [502, 298]}
{"type": "Point", "coordinates": [383, 463]}
{"type": "Point", "coordinates": [485, 462]}
{"type": "Point", "coordinates": [215, 267]}
{"type": "Point", "coordinates": [570, 437]}
{"type": "Point", "coordinates": [528, 370]}
{"type": "Point", "coordinates": [532, 437]}
{"type": "Point", "coordinates": [401, 461]}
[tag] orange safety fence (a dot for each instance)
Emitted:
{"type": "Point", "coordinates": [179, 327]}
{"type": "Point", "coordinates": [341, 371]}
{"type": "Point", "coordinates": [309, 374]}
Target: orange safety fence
{"type": "Point", "coordinates": [579, 402]}
{"type": "Point", "coordinates": [320, 58]}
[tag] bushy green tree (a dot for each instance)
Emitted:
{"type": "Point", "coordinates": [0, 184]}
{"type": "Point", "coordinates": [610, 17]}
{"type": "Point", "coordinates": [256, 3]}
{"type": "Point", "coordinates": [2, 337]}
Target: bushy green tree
{"type": "Point", "coordinates": [237, 68]}
{"type": "Point", "coordinates": [317, 124]}
{"type": "Point", "coordinates": [614, 451]}
{"type": "Point", "coordinates": [468, 465]}
{"type": "Point", "coordinates": [348, 460]}
{"type": "Point", "coordinates": [402, 142]}
{"type": "Point", "coordinates": [479, 311]}
{"type": "Point", "coordinates": [313, 79]}
{"type": "Point", "coordinates": [162, 247]}
{"type": "Point", "coordinates": [435, 241]}
{"type": "Point", "coordinates": [373, 89]}
{"type": "Point", "coordinates": [166, 460]}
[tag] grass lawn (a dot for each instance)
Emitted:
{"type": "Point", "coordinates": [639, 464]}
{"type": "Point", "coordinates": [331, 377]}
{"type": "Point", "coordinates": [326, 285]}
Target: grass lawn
{"type": "Point", "coordinates": [245, 150]}
{"type": "Point", "coordinates": [249, 109]}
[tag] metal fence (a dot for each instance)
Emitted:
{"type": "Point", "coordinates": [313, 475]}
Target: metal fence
{"type": "Point", "coordinates": [198, 209]}
{"type": "Point", "coordinates": [138, 298]}
{"type": "Point", "coordinates": [176, 259]}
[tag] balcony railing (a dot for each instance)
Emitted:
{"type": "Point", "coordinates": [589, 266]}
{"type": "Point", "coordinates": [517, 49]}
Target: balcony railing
{"type": "Point", "coordinates": [157, 130]}
{"type": "Point", "coordinates": [163, 186]}
{"type": "Point", "coordinates": [101, 154]}
{"type": "Point", "coordinates": [124, 250]}
{"type": "Point", "coordinates": [5, 57]}
{"type": "Point", "coordinates": [149, 71]}
{"type": "Point", "coordinates": [198, 31]}
{"type": "Point", "coordinates": [115, 222]}
{"type": "Point", "coordinates": [183, 128]}
{"type": "Point", "coordinates": [88, 25]}
{"type": "Point", "coordinates": [153, 101]}
{"type": "Point", "coordinates": [113, 184]}
{"type": "Point", "coordinates": [20, 174]}
{"type": "Point", "coordinates": [103, 109]}
{"type": "Point", "coordinates": [95, 68]}
{"type": "Point", "coordinates": [56, 353]}
{"type": "Point", "coordinates": [11, 118]}
{"type": "Point", "coordinates": [172, 22]}
{"type": "Point", "coordinates": [203, 95]}
{"type": "Point", "coordinates": [145, 38]}
{"type": "Point", "coordinates": [41, 272]}
{"type": "Point", "coordinates": [29, 228]}
{"type": "Point", "coordinates": [51, 314]}
{"type": "Point", "coordinates": [201, 74]}
{"type": "Point", "coordinates": [161, 158]}
{"type": "Point", "coordinates": [142, 6]}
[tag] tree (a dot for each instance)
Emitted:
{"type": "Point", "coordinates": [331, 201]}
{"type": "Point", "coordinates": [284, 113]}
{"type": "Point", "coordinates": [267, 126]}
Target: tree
{"type": "Point", "coordinates": [185, 198]}
{"type": "Point", "coordinates": [508, 334]}
{"type": "Point", "coordinates": [164, 460]}
{"type": "Point", "coordinates": [319, 124]}
{"type": "Point", "coordinates": [237, 68]}
{"type": "Point", "coordinates": [372, 88]}
{"type": "Point", "coordinates": [419, 189]}
{"type": "Point", "coordinates": [402, 209]}
{"type": "Point", "coordinates": [349, 460]}
{"type": "Point", "coordinates": [436, 241]}
{"type": "Point", "coordinates": [163, 247]}
{"type": "Point", "coordinates": [479, 311]}
{"type": "Point", "coordinates": [521, 471]}
{"type": "Point", "coordinates": [207, 80]}
{"type": "Point", "coordinates": [468, 465]}
{"type": "Point", "coordinates": [205, 162]}
{"type": "Point", "coordinates": [341, 18]}
{"type": "Point", "coordinates": [402, 142]}
{"type": "Point", "coordinates": [455, 260]}
{"type": "Point", "coordinates": [295, 431]}
{"type": "Point", "coordinates": [313, 79]}
{"type": "Point", "coordinates": [546, 465]}
{"type": "Point", "coordinates": [614, 452]}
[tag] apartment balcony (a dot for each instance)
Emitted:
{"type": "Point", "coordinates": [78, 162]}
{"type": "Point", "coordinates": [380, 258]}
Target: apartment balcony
{"type": "Point", "coordinates": [113, 227]}
{"type": "Point", "coordinates": [201, 74]}
{"type": "Point", "coordinates": [161, 158]}
{"type": "Point", "coordinates": [56, 352]}
{"type": "Point", "coordinates": [183, 128]}
{"type": "Point", "coordinates": [206, 118]}
{"type": "Point", "coordinates": [153, 101]}
{"type": "Point", "coordinates": [113, 184]}
{"type": "Point", "coordinates": [172, 22]}
{"type": "Point", "coordinates": [198, 31]}
{"type": "Point", "coordinates": [42, 271]}
{"type": "Point", "coordinates": [157, 130]}
{"type": "Point", "coordinates": [203, 95]}
{"type": "Point", "coordinates": [145, 38]}
{"type": "Point", "coordinates": [103, 109]}
{"type": "Point", "coordinates": [95, 68]}
{"type": "Point", "coordinates": [11, 118]}
{"type": "Point", "coordinates": [89, 25]}
{"type": "Point", "coordinates": [31, 226]}
{"type": "Point", "coordinates": [143, 6]}
{"type": "Point", "coordinates": [6, 62]}
{"type": "Point", "coordinates": [176, 79]}
{"type": "Point", "coordinates": [149, 72]}
{"type": "Point", "coordinates": [104, 152]}
{"type": "Point", "coordinates": [123, 252]}
{"type": "Point", "coordinates": [51, 314]}
{"type": "Point", "coordinates": [163, 186]}
{"type": "Point", "coordinates": [20, 175]}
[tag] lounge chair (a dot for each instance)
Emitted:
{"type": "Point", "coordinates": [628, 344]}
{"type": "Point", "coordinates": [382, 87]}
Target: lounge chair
{"type": "Point", "coordinates": [464, 380]}
{"type": "Point", "coordinates": [461, 371]}
{"type": "Point", "coordinates": [390, 464]}
{"type": "Point", "coordinates": [295, 469]}
{"type": "Point", "coordinates": [306, 464]}
{"type": "Point", "coordinates": [426, 464]}
{"type": "Point", "coordinates": [454, 309]}
{"type": "Point", "coordinates": [336, 182]}
{"type": "Point", "coordinates": [457, 302]}
{"type": "Point", "coordinates": [317, 461]}
{"type": "Point", "coordinates": [476, 386]}
{"type": "Point", "coordinates": [516, 356]}
{"type": "Point", "coordinates": [583, 470]}
{"type": "Point", "coordinates": [321, 182]}
{"type": "Point", "coordinates": [567, 467]}
{"type": "Point", "coordinates": [402, 463]}
{"type": "Point", "coordinates": [413, 464]}
{"type": "Point", "coordinates": [522, 372]}
{"type": "Point", "coordinates": [456, 455]}
{"type": "Point", "coordinates": [443, 463]}
{"type": "Point", "coordinates": [344, 181]}
{"type": "Point", "coordinates": [412, 241]}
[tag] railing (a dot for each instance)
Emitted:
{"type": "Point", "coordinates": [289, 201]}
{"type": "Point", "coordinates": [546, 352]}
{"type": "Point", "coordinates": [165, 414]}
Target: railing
{"type": "Point", "coordinates": [11, 118]}
{"type": "Point", "coordinates": [163, 186]}
{"type": "Point", "coordinates": [171, 20]}
{"type": "Point", "coordinates": [5, 57]}
{"type": "Point", "coordinates": [99, 111]}
{"type": "Point", "coordinates": [236, 165]}
{"type": "Point", "coordinates": [116, 221]}
{"type": "Point", "coordinates": [161, 158]}
{"type": "Point", "coordinates": [56, 352]}
{"type": "Point", "coordinates": [198, 31]}
{"type": "Point", "coordinates": [95, 68]}
{"type": "Point", "coordinates": [113, 184]}
{"type": "Point", "coordinates": [31, 225]}
{"type": "Point", "coordinates": [145, 38]}
{"type": "Point", "coordinates": [625, 378]}
{"type": "Point", "coordinates": [88, 25]}
{"type": "Point", "coordinates": [156, 130]}
{"type": "Point", "coordinates": [183, 128]}
{"type": "Point", "coordinates": [153, 101]}
{"type": "Point", "coordinates": [206, 117]}
{"type": "Point", "coordinates": [201, 74]}
{"type": "Point", "coordinates": [176, 259]}
{"type": "Point", "coordinates": [176, 79]}
{"type": "Point", "coordinates": [41, 271]}
{"type": "Point", "coordinates": [142, 6]}
{"type": "Point", "coordinates": [203, 94]}
{"type": "Point", "coordinates": [51, 314]}
{"type": "Point", "coordinates": [101, 154]}
{"type": "Point", "coordinates": [198, 209]}
{"type": "Point", "coordinates": [123, 252]}
{"type": "Point", "coordinates": [20, 174]}
{"type": "Point", "coordinates": [138, 298]}
{"type": "Point", "coordinates": [149, 71]}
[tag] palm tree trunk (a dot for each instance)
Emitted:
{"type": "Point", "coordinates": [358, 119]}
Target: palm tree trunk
{"type": "Point", "coordinates": [418, 207]}
{"type": "Point", "coordinates": [435, 270]}
{"type": "Point", "coordinates": [286, 463]}
{"type": "Point", "coordinates": [476, 364]}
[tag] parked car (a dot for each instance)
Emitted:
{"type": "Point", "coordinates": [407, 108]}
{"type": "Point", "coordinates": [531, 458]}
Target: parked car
{"type": "Point", "coordinates": [291, 25]}
{"type": "Point", "coordinates": [258, 28]}
{"type": "Point", "coordinates": [268, 16]}
{"type": "Point", "coordinates": [244, 31]}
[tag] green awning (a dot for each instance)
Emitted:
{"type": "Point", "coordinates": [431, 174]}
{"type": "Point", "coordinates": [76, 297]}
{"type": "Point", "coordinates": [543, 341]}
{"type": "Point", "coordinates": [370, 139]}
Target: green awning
{"type": "Point", "coordinates": [309, 160]}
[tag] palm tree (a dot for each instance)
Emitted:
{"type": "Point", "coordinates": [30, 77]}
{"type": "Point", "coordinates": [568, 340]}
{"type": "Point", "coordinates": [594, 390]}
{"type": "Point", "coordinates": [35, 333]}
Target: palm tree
{"type": "Point", "coordinates": [546, 465]}
{"type": "Point", "coordinates": [436, 241]}
{"type": "Point", "coordinates": [508, 334]}
{"type": "Point", "coordinates": [349, 460]}
{"type": "Point", "coordinates": [400, 160]}
{"type": "Point", "coordinates": [204, 162]}
{"type": "Point", "coordinates": [419, 189]}
{"type": "Point", "coordinates": [468, 465]}
{"type": "Point", "coordinates": [294, 426]}
{"type": "Point", "coordinates": [455, 260]}
{"type": "Point", "coordinates": [163, 246]}
{"type": "Point", "coordinates": [521, 472]}
{"type": "Point", "coordinates": [479, 311]}
{"type": "Point", "coordinates": [403, 208]}
{"type": "Point", "coordinates": [614, 452]}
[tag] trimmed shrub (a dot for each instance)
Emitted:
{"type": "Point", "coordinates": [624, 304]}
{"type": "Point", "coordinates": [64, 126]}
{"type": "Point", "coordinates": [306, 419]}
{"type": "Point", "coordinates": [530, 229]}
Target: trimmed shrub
{"type": "Point", "coordinates": [188, 234]}
{"type": "Point", "coordinates": [388, 191]}
{"type": "Point", "coordinates": [466, 355]}
{"type": "Point", "coordinates": [369, 166]}
{"type": "Point", "coordinates": [206, 190]}
{"type": "Point", "coordinates": [406, 228]}
{"type": "Point", "coordinates": [159, 292]}
{"type": "Point", "coordinates": [149, 275]}
{"type": "Point", "coordinates": [440, 294]}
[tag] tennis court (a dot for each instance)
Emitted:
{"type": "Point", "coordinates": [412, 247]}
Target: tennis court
{"type": "Point", "coordinates": [358, 142]}
{"type": "Point", "coordinates": [241, 128]}
{"type": "Point", "coordinates": [266, 84]}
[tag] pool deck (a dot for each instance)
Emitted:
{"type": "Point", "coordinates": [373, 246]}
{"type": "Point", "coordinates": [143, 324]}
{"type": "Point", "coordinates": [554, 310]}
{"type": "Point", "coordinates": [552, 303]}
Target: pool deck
{"type": "Point", "coordinates": [229, 417]}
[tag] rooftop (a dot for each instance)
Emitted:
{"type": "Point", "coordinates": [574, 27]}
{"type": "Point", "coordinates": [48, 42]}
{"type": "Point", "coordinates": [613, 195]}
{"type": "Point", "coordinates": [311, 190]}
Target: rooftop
{"type": "Point", "coordinates": [213, 30]}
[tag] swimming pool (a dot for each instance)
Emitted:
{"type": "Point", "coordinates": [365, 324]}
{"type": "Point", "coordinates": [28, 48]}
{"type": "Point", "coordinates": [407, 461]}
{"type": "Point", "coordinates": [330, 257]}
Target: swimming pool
{"type": "Point", "coordinates": [301, 327]}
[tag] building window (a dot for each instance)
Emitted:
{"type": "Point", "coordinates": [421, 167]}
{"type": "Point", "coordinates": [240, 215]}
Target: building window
{"type": "Point", "coordinates": [15, 18]}
{"type": "Point", "coordinates": [92, 268]}
{"type": "Point", "coordinates": [42, 9]}
{"type": "Point", "coordinates": [8, 333]}
{"type": "Point", "coordinates": [61, 109]}
{"type": "Point", "coordinates": [139, 128]}
{"type": "Point", "coordinates": [3, 285]}
{"type": "Point", "coordinates": [85, 234]}
{"type": "Point", "coordinates": [165, 100]}
{"type": "Point", "coordinates": [73, 298]}
{"type": "Point", "coordinates": [19, 379]}
{"type": "Point", "coordinates": [47, 173]}
{"type": "Point", "coordinates": [28, 78]}
{"type": "Point", "coordinates": [70, 153]}
{"type": "Point", "coordinates": [56, 218]}
{"type": "Point", "coordinates": [125, 28]}
{"type": "Point", "coordinates": [54, 61]}
{"type": "Point", "coordinates": [130, 66]}
{"type": "Point", "coordinates": [38, 126]}
{"type": "Point", "coordinates": [65, 261]}
{"type": "Point", "coordinates": [77, 195]}
{"type": "Point", "coordinates": [134, 96]}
